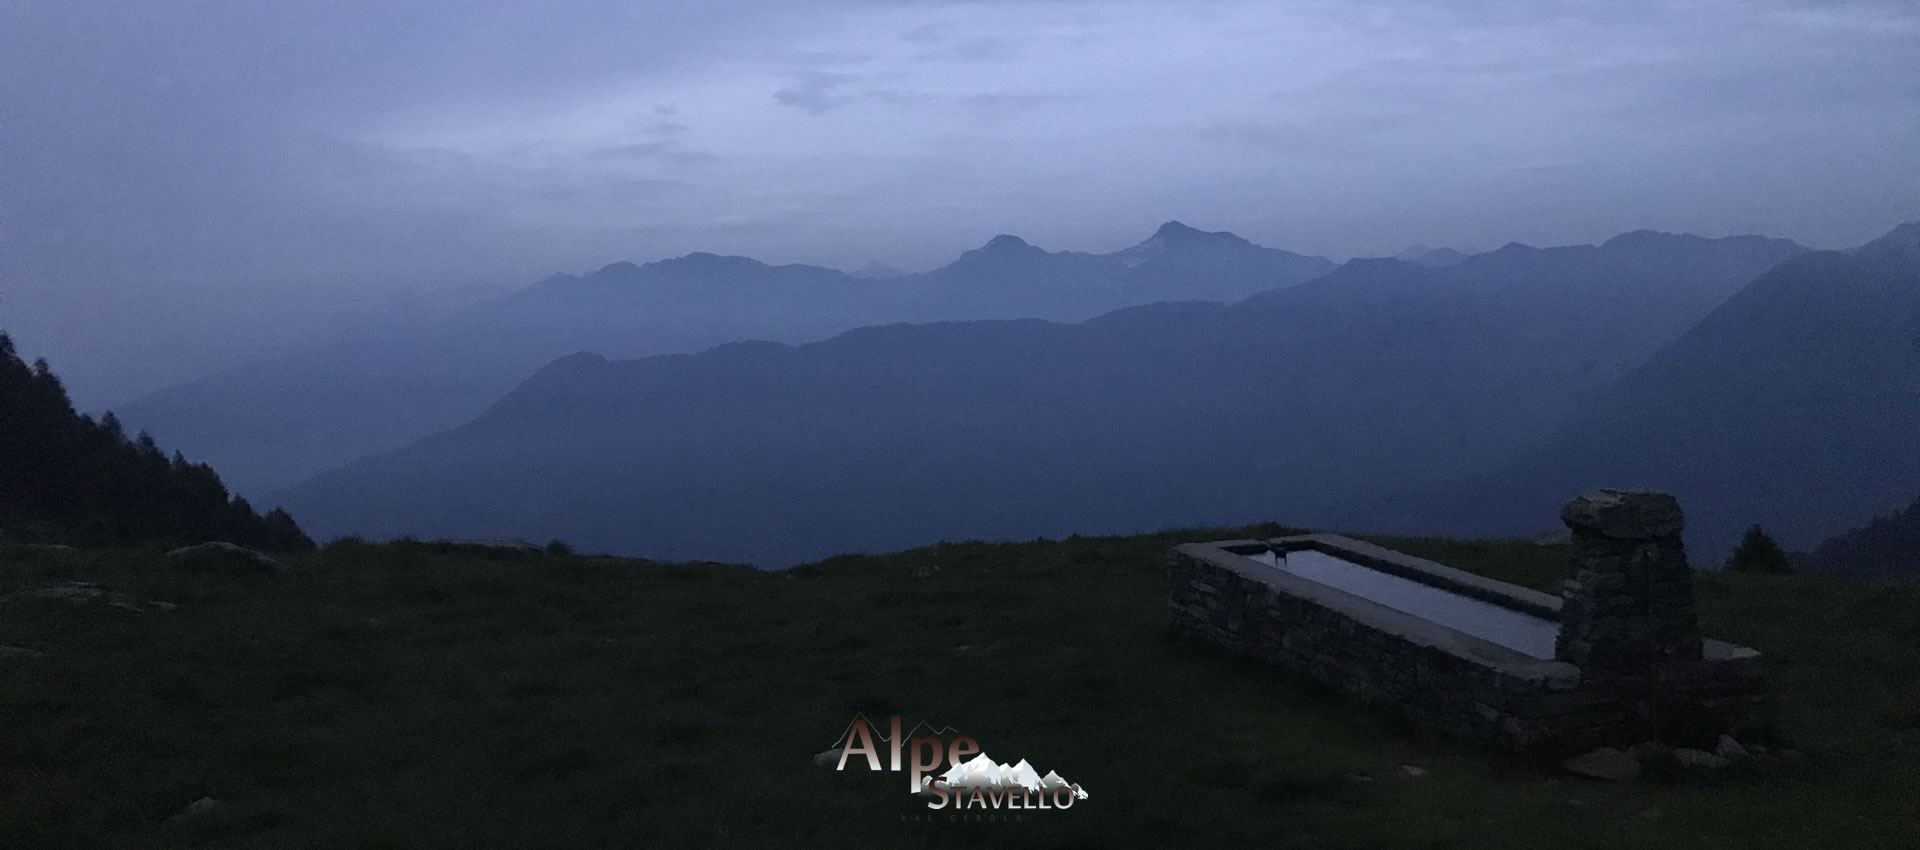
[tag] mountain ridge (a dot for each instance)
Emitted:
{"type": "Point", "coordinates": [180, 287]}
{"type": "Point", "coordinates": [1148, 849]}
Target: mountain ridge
{"type": "Point", "coordinates": [1159, 414]}
{"type": "Point", "coordinates": [1810, 372]}
{"type": "Point", "coordinates": [271, 423]}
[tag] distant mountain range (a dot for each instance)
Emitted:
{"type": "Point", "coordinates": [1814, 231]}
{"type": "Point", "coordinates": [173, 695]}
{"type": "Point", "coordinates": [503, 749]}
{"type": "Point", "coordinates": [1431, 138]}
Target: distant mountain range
{"type": "Point", "coordinates": [1795, 405]}
{"type": "Point", "coordinates": [269, 424]}
{"type": "Point", "coordinates": [877, 271]}
{"type": "Point", "coordinates": [1422, 255]}
{"type": "Point", "coordinates": [1309, 403]}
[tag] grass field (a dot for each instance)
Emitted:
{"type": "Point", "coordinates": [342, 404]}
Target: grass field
{"type": "Point", "coordinates": [395, 696]}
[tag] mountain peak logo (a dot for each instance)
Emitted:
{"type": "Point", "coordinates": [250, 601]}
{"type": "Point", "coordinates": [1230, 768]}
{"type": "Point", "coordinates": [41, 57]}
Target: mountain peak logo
{"type": "Point", "coordinates": [977, 782]}
{"type": "Point", "coordinates": [982, 774]}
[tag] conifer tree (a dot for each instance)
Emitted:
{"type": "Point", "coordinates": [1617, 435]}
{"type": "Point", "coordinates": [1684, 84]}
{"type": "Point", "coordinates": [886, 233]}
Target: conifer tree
{"type": "Point", "coordinates": [65, 478]}
{"type": "Point", "coordinates": [1758, 553]}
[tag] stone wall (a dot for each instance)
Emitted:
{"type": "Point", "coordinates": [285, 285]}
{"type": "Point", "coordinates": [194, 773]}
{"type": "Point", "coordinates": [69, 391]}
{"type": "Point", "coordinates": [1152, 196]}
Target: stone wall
{"type": "Point", "coordinates": [1627, 621]}
{"type": "Point", "coordinates": [1629, 605]}
{"type": "Point", "coordinates": [1457, 683]}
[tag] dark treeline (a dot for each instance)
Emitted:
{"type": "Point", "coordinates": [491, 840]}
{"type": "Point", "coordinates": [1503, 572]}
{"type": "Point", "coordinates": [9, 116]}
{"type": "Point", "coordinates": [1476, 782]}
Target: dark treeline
{"type": "Point", "coordinates": [65, 478]}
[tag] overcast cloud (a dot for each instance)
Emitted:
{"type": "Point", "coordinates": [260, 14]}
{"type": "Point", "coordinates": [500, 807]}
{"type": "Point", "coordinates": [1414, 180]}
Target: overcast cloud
{"type": "Point", "coordinates": [171, 165]}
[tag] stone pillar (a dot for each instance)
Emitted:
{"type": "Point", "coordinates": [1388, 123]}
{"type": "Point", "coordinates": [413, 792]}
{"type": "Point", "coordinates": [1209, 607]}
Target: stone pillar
{"type": "Point", "coordinates": [1628, 611]}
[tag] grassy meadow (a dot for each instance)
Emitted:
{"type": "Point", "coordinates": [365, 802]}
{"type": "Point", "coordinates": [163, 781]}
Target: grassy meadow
{"type": "Point", "coordinates": [399, 696]}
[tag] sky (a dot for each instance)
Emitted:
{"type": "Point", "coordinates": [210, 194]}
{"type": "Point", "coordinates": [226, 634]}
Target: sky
{"type": "Point", "coordinates": [188, 182]}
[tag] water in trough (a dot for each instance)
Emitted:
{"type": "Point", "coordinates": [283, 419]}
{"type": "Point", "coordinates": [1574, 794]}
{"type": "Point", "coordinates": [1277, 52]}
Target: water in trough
{"type": "Point", "coordinates": [1512, 629]}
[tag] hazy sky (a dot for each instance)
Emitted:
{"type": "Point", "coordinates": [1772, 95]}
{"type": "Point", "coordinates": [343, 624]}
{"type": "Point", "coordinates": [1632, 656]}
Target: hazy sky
{"type": "Point", "coordinates": [225, 171]}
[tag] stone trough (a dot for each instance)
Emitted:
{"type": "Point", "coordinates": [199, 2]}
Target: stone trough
{"type": "Point", "coordinates": [1615, 660]}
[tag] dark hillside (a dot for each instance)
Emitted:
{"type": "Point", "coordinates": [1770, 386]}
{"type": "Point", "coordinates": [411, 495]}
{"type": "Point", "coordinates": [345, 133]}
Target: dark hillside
{"type": "Point", "coordinates": [1887, 547]}
{"type": "Point", "coordinates": [1795, 405]}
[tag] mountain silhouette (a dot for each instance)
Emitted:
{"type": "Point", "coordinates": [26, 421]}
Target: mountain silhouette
{"type": "Point", "coordinates": [877, 270]}
{"type": "Point", "coordinates": [1367, 380]}
{"type": "Point", "coordinates": [1435, 257]}
{"type": "Point", "coordinates": [1795, 405]}
{"type": "Point", "coordinates": [272, 423]}
{"type": "Point", "coordinates": [1886, 547]}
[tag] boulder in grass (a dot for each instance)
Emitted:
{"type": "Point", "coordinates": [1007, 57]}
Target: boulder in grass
{"type": "Point", "coordinates": [66, 591]}
{"type": "Point", "coordinates": [1605, 763]}
{"type": "Point", "coordinates": [1699, 759]}
{"type": "Point", "coordinates": [197, 811]}
{"type": "Point", "coordinates": [1731, 750]}
{"type": "Point", "coordinates": [508, 545]}
{"type": "Point", "coordinates": [1648, 752]}
{"type": "Point", "coordinates": [488, 549]}
{"type": "Point", "coordinates": [227, 557]}
{"type": "Point", "coordinates": [87, 594]}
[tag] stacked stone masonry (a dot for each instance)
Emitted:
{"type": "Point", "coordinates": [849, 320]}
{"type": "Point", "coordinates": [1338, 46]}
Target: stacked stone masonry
{"type": "Point", "coordinates": [1629, 666]}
